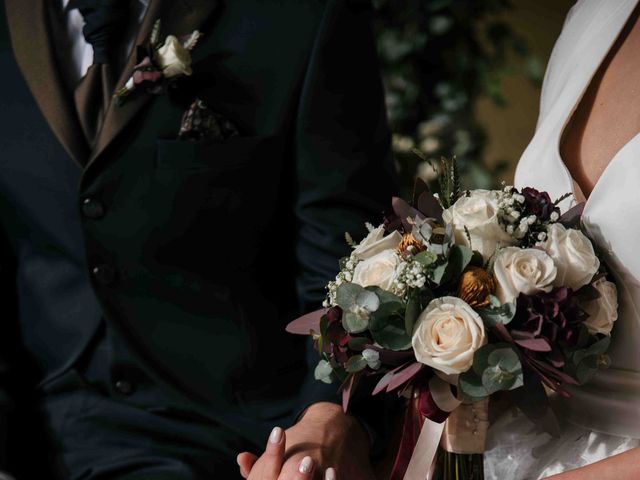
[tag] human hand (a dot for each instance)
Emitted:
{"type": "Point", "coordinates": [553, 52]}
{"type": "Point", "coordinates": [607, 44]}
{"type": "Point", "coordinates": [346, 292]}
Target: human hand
{"type": "Point", "coordinates": [323, 444]}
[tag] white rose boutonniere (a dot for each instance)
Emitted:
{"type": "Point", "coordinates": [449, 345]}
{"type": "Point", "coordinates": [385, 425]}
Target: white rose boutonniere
{"type": "Point", "coordinates": [573, 255]}
{"type": "Point", "coordinates": [527, 271]}
{"type": "Point", "coordinates": [160, 61]}
{"type": "Point", "coordinates": [174, 58]}
{"type": "Point", "coordinates": [447, 334]}
{"type": "Point", "coordinates": [377, 271]}
{"type": "Point", "coordinates": [602, 311]}
{"type": "Point", "coordinates": [477, 214]}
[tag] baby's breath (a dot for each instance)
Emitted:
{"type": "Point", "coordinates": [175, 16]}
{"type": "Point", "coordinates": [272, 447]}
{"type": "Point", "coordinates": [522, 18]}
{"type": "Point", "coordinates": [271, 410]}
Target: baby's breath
{"type": "Point", "coordinates": [344, 276]}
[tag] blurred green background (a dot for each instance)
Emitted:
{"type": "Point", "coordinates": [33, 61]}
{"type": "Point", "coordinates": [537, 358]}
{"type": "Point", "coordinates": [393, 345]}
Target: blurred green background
{"type": "Point", "coordinates": [462, 77]}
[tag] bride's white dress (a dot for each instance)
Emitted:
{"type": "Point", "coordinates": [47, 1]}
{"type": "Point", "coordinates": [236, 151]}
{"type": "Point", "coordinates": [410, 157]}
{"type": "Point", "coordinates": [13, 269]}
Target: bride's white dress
{"type": "Point", "coordinates": [602, 418]}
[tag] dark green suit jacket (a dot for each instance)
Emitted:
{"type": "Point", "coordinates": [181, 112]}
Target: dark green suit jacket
{"type": "Point", "coordinates": [199, 253]}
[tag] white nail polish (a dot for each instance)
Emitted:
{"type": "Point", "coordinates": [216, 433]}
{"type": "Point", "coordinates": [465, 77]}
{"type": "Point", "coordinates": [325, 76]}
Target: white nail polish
{"type": "Point", "coordinates": [276, 436]}
{"type": "Point", "coordinates": [330, 474]}
{"type": "Point", "coordinates": [306, 465]}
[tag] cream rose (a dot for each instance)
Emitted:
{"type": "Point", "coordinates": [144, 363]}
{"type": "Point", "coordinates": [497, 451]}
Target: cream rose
{"type": "Point", "coordinates": [602, 311]}
{"type": "Point", "coordinates": [525, 271]}
{"type": "Point", "coordinates": [378, 270]}
{"type": "Point", "coordinates": [376, 242]}
{"type": "Point", "coordinates": [478, 212]}
{"type": "Point", "coordinates": [173, 58]}
{"type": "Point", "coordinates": [573, 255]}
{"type": "Point", "coordinates": [447, 334]}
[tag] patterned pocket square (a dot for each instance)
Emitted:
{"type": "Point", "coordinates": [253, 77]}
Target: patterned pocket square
{"type": "Point", "coordinates": [199, 122]}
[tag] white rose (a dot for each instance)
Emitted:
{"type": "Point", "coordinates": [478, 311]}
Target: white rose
{"type": "Point", "coordinates": [378, 271]}
{"type": "Point", "coordinates": [525, 271]}
{"type": "Point", "coordinates": [173, 58]}
{"type": "Point", "coordinates": [573, 255]}
{"type": "Point", "coordinates": [447, 334]}
{"type": "Point", "coordinates": [602, 311]}
{"type": "Point", "coordinates": [478, 212]}
{"type": "Point", "coordinates": [376, 242]}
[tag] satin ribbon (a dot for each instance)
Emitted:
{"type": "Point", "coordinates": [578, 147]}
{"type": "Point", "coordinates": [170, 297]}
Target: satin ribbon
{"type": "Point", "coordinates": [445, 421]}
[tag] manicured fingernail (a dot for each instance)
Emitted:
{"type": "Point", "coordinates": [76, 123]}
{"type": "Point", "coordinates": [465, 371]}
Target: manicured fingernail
{"type": "Point", "coordinates": [330, 474]}
{"type": "Point", "coordinates": [276, 436]}
{"type": "Point", "coordinates": [306, 465]}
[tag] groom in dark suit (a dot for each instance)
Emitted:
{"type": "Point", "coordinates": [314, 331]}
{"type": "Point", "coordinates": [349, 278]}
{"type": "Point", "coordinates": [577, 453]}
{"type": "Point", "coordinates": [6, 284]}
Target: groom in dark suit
{"type": "Point", "coordinates": [147, 279]}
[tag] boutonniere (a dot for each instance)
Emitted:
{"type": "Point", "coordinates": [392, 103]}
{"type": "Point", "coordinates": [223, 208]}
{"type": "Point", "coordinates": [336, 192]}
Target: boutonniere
{"type": "Point", "coordinates": [160, 63]}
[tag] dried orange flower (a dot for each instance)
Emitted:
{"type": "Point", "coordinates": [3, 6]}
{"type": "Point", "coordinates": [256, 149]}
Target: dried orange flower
{"type": "Point", "coordinates": [410, 244]}
{"type": "Point", "coordinates": [475, 287]}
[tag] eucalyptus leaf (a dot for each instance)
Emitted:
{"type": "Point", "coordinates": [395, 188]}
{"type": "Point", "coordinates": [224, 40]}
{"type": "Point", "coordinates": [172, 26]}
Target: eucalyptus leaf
{"type": "Point", "coordinates": [422, 231]}
{"type": "Point", "coordinates": [471, 386]}
{"type": "Point", "coordinates": [385, 296]}
{"type": "Point", "coordinates": [356, 364]}
{"type": "Point", "coordinates": [436, 274]}
{"type": "Point", "coordinates": [347, 294]}
{"type": "Point", "coordinates": [426, 258]}
{"type": "Point", "coordinates": [413, 310]}
{"type": "Point", "coordinates": [503, 370]}
{"type": "Point", "coordinates": [498, 314]}
{"type": "Point", "coordinates": [389, 332]}
{"type": "Point", "coordinates": [459, 258]}
{"type": "Point", "coordinates": [354, 323]}
{"type": "Point", "coordinates": [367, 300]}
{"type": "Point", "coordinates": [359, 343]}
{"type": "Point", "coordinates": [324, 372]}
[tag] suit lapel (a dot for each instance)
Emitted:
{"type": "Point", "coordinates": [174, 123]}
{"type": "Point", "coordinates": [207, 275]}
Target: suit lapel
{"type": "Point", "coordinates": [178, 17]}
{"type": "Point", "coordinates": [33, 47]}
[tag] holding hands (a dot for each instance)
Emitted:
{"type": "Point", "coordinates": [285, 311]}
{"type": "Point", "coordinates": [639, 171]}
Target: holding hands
{"type": "Point", "coordinates": [325, 443]}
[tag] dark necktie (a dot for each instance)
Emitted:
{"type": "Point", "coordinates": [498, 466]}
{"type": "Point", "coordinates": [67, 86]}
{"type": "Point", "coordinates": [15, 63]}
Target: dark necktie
{"type": "Point", "coordinates": [105, 21]}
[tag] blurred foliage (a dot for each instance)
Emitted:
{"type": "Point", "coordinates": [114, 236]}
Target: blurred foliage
{"type": "Point", "coordinates": [438, 57]}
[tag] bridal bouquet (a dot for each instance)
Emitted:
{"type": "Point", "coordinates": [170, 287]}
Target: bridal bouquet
{"type": "Point", "coordinates": [461, 297]}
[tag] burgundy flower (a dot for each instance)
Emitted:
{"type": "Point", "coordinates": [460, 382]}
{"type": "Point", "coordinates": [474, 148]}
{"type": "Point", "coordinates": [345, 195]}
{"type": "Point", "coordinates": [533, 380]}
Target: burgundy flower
{"type": "Point", "coordinates": [538, 203]}
{"type": "Point", "coordinates": [554, 318]}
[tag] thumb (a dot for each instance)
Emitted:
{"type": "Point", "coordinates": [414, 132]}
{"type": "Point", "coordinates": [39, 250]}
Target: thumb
{"type": "Point", "coordinates": [246, 461]}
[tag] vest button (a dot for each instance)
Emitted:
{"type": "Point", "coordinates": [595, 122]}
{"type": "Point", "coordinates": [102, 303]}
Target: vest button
{"type": "Point", "coordinates": [105, 274]}
{"type": "Point", "coordinates": [124, 387]}
{"type": "Point", "coordinates": [92, 208]}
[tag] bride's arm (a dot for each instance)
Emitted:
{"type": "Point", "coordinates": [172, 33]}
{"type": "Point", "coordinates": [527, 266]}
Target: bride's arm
{"type": "Point", "coordinates": [625, 466]}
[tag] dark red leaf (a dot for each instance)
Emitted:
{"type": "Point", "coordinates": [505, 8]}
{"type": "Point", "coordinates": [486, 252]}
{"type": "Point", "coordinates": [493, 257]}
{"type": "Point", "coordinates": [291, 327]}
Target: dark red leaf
{"type": "Point", "coordinates": [306, 323]}
{"type": "Point", "coordinates": [404, 211]}
{"type": "Point", "coordinates": [430, 207]}
{"type": "Point", "coordinates": [403, 376]}
{"type": "Point", "coordinates": [534, 344]}
{"type": "Point", "coordinates": [347, 388]}
{"type": "Point", "coordinates": [384, 381]}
